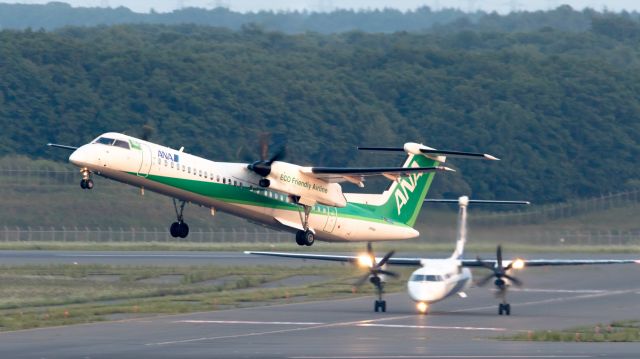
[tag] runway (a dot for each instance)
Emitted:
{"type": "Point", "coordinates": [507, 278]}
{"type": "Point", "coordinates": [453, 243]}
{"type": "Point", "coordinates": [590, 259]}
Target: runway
{"type": "Point", "coordinates": [552, 298]}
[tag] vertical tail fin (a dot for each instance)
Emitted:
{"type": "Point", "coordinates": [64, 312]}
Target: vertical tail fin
{"type": "Point", "coordinates": [463, 202]}
{"type": "Point", "coordinates": [403, 200]}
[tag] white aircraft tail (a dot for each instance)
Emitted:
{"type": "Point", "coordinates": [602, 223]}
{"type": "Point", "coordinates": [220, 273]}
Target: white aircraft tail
{"type": "Point", "coordinates": [463, 203]}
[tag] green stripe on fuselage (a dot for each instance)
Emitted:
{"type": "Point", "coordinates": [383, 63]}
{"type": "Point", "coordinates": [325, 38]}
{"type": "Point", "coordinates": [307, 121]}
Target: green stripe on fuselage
{"type": "Point", "coordinates": [253, 197]}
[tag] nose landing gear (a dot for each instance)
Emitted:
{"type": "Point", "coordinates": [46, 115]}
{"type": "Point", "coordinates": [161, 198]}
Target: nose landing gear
{"type": "Point", "coordinates": [86, 182]}
{"type": "Point", "coordinates": [179, 228]}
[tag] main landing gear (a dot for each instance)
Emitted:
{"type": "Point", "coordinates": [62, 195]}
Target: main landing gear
{"type": "Point", "coordinates": [305, 237]}
{"type": "Point", "coordinates": [380, 304]}
{"type": "Point", "coordinates": [86, 182]}
{"type": "Point", "coordinates": [179, 228]}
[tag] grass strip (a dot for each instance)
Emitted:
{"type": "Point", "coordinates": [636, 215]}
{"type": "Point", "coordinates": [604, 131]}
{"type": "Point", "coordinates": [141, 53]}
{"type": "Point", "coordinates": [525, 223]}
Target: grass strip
{"type": "Point", "coordinates": [618, 331]}
{"type": "Point", "coordinates": [40, 296]}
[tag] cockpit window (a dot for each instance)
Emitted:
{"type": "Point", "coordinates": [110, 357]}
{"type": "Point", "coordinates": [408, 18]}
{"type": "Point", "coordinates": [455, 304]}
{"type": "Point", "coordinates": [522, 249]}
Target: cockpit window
{"type": "Point", "coordinates": [122, 144]}
{"type": "Point", "coordinates": [426, 278]}
{"type": "Point", "coordinates": [105, 140]}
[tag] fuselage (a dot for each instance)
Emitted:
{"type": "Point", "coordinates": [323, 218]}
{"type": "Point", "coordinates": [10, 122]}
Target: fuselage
{"type": "Point", "coordinates": [438, 279]}
{"type": "Point", "coordinates": [227, 187]}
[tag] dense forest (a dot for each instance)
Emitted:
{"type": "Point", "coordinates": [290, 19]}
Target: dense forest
{"type": "Point", "coordinates": [55, 15]}
{"type": "Point", "coordinates": [562, 109]}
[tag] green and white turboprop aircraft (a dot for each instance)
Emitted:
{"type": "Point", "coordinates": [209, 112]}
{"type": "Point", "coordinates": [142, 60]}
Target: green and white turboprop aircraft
{"type": "Point", "coordinates": [306, 200]}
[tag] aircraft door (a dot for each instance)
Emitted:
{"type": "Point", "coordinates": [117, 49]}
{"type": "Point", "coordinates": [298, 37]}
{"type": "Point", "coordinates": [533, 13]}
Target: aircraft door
{"type": "Point", "coordinates": [332, 217]}
{"type": "Point", "coordinates": [145, 160]}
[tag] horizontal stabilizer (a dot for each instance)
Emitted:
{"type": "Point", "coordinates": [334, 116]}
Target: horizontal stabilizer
{"type": "Point", "coordinates": [416, 148]}
{"type": "Point", "coordinates": [65, 147]}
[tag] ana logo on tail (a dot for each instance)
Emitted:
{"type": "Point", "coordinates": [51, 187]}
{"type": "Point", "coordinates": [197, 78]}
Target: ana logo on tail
{"type": "Point", "coordinates": [406, 186]}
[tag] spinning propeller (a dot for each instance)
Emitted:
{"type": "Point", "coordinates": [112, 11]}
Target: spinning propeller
{"type": "Point", "coordinates": [263, 166]}
{"type": "Point", "coordinates": [375, 269]}
{"type": "Point", "coordinates": [499, 272]}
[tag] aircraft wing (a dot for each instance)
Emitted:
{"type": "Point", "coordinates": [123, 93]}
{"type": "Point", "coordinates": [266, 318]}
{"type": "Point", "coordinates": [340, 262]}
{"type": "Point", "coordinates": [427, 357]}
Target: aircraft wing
{"type": "Point", "coordinates": [64, 147]}
{"type": "Point", "coordinates": [337, 258]}
{"type": "Point", "coordinates": [551, 262]}
{"type": "Point", "coordinates": [357, 174]}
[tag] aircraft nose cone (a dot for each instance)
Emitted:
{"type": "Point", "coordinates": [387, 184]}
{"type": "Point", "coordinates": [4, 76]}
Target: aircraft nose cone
{"type": "Point", "coordinates": [79, 157]}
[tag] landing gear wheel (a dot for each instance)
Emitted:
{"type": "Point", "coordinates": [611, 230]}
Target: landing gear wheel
{"type": "Point", "coordinates": [179, 228]}
{"type": "Point", "coordinates": [89, 184]}
{"type": "Point", "coordinates": [309, 238]}
{"type": "Point", "coordinates": [83, 184]}
{"type": "Point", "coordinates": [184, 230]}
{"type": "Point", "coordinates": [175, 229]}
{"type": "Point", "coordinates": [504, 308]}
{"type": "Point", "coordinates": [380, 305]}
{"type": "Point", "coordinates": [300, 238]}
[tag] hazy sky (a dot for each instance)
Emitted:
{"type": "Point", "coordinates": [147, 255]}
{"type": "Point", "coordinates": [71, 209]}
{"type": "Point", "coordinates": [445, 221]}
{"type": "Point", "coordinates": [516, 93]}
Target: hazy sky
{"type": "Point", "coordinates": [501, 6]}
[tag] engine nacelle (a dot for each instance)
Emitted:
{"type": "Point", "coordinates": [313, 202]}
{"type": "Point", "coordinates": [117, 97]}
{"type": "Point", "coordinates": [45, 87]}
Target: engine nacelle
{"type": "Point", "coordinates": [287, 178]}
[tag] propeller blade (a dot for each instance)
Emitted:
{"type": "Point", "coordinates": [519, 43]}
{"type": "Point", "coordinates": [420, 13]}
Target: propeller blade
{"type": "Point", "coordinates": [361, 280]}
{"type": "Point", "coordinates": [485, 280]}
{"type": "Point", "coordinates": [264, 145]}
{"type": "Point", "coordinates": [499, 256]}
{"type": "Point", "coordinates": [277, 156]}
{"type": "Point", "coordinates": [385, 259]}
{"type": "Point", "coordinates": [514, 280]}
{"type": "Point", "coordinates": [389, 273]}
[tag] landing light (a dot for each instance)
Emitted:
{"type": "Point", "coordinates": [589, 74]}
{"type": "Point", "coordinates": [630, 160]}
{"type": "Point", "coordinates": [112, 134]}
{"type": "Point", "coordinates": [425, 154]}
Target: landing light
{"type": "Point", "coordinates": [365, 260]}
{"type": "Point", "coordinates": [422, 307]}
{"type": "Point", "coordinates": [518, 264]}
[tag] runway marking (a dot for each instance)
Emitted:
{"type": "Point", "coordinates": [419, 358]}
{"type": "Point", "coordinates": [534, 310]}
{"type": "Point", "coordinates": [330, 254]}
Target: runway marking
{"type": "Point", "coordinates": [244, 322]}
{"type": "Point", "coordinates": [553, 300]}
{"type": "Point", "coordinates": [439, 356]}
{"type": "Point", "coordinates": [233, 336]}
{"type": "Point", "coordinates": [429, 327]}
{"type": "Point", "coordinates": [542, 290]}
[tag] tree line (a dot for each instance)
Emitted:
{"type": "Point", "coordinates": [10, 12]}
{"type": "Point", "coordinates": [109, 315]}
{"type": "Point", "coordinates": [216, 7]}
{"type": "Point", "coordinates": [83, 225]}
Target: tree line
{"type": "Point", "coordinates": [55, 15]}
{"type": "Point", "coordinates": [561, 109]}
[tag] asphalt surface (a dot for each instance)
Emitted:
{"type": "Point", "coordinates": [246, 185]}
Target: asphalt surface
{"type": "Point", "coordinates": [552, 298]}
{"type": "Point", "coordinates": [197, 258]}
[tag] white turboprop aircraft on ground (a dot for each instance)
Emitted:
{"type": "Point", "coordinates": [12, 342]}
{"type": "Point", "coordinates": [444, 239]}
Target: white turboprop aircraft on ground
{"type": "Point", "coordinates": [438, 279]}
{"type": "Point", "coordinates": [306, 200]}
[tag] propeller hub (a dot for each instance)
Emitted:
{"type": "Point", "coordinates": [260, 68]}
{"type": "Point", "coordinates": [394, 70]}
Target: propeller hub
{"type": "Point", "coordinates": [263, 168]}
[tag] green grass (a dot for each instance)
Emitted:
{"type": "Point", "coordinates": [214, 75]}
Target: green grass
{"type": "Point", "coordinates": [619, 331]}
{"type": "Point", "coordinates": [39, 296]}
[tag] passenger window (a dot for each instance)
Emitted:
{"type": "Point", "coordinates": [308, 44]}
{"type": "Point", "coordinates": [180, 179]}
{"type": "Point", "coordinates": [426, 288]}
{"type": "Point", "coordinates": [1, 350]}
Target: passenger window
{"type": "Point", "coordinates": [159, 161]}
{"type": "Point", "coordinates": [224, 180]}
{"type": "Point", "coordinates": [171, 164]}
{"type": "Point", "coordinates": [166, 163]}
{"type": "Point", "coordinates": [189, 169]}
{"type": "Point", "coordinates": [205, 174]}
